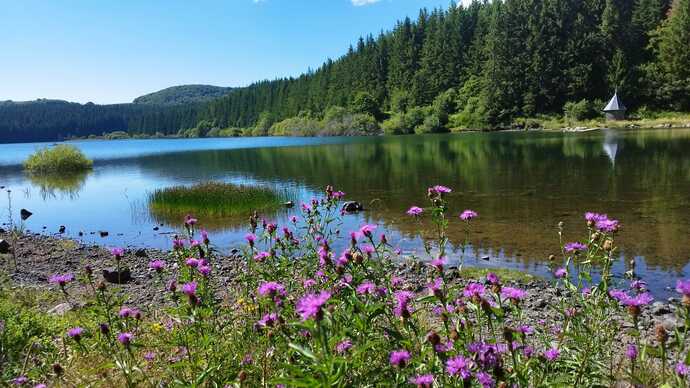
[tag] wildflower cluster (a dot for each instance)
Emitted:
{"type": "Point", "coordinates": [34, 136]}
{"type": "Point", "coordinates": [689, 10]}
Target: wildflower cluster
{"type": "Point", "coordinates": [300, 313]}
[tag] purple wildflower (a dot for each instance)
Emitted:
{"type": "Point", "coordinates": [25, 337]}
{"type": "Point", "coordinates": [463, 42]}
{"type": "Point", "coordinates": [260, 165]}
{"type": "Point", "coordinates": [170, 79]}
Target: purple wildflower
{"type": "Point", "coordinates": [560, 273]}
{"type": "Point", "coordinates": [492, 278]}
{"type": "Point", "coordinates": [459, 366]}
{"type": "Point", "coordinates": [343, 346]}
{"type": "Point", "coordinates": [631, 352]}
{"type": "Point", "coordinates": [683, 287]}
{"type": "Point", "coordinates": [399, 358]}
{"type": "Point", "coordinates": [366, 287]}
{"type": "Point", "coordinates": [367, 230]}
{"type": "Point", "coordinates": [157, 265]}
{"type": "Point", "coordinates": [424, 381]}
{"type": "Point", "coordinates": [310, 306]}
{"type": "Point", "coordinates": [552, 354]}
{"type": "Point", "coordinates": [402, 299]}
{"type": "Point", "coordinates": [75, 333]}
{"type": "Point", "coordinates": [272, 289]}
{"type": "Point", "coordinates": [125, 338]}
{"type": "Point", "coordinates": [468, 215]}
{"type": "Point", "coordinates": [117, 252]}
{"type": "Point", "coordinates": [308, 283]}
{"type": "Point", "coordinates": [189, 220]}
{"type": "Point", "coordinates": [639, 285]}
{"type": "Point", "coordinates": [514, 294]}
{"type": "Point", "coordinates": [192, 262]}
{"type": "Point", "coordinates": [261, 257]}
{"type": "Point", "coordinates": [415, 211]}
{"type": "Point", "coordinates": [593, 218]}
{"type": "Point", "coordinates": [189, 289]}
{"type": "Point", "coordinates": [20, 380]}
{"type": "Point", "coordinates": [438, 263]}
{"type": "Point", "coordinates": [268, 320]}
{"type": "Point", "coordinates": [474, 290]}
{"type": "Point", "coordinates": [607, 225]}
{"type": "Point", "coordinates": [484, 379]}
{"type": "Point", "coordinates": [436, 287]}
{"type": "Point", "coordinates": [438, 189]}
{"type": "Point", "coordinates": [574, 247]}
{"type": "Point", "coordinates": [178, 244]}
{"type": "Point", "coordinates": [525, 329]}
{"type": "Point", "coordinates": [682, 369]}
{"type": "Point", "coordinates": [204, 270]}
{"type": "Point", "coordinates": [251, 238]}
{"type": "Point", "coordinates": [61, 280]}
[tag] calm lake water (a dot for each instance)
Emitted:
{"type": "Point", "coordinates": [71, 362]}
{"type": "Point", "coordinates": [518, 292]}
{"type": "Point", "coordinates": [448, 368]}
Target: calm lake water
{"type": "Point", "coordinates": [522, 185]}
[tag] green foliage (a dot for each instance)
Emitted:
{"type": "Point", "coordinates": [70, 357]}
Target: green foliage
{"type": "Point", "coordinates": [296, 126]}
{"type": "Point", "coordinates": [365, 103]}
{"type": "Point", "coordinates": [62, 158]}
{"type": "Point", "coordinates": [213, 199]}
{"type": "Point", "coordinates": [581, 110]}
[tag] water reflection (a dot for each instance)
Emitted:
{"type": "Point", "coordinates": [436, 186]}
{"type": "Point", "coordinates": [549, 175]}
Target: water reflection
{"type": "Point", "coordinates": [59, 186]}
{"type": "Point", "coordinates": [522, 185]}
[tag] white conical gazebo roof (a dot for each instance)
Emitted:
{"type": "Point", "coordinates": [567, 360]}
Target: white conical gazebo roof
{"type": "Point", "coordinates": [615, 104]}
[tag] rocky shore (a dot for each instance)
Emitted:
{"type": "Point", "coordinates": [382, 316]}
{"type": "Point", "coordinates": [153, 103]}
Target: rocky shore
{"type": "Point", "coordinates": [40, 256]}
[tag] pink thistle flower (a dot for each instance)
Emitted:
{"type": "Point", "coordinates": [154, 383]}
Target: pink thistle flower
{"type": "Point", "coordinates": [204, 236]}
{"type": "Point", "coordinates": [308, 283]}
{"type": "Point", "coordinates": [189, 220]}
{"type": "Point", "coordinates": [343, 346]}
{"type": "Point", "coordinates": [631, 352]}
{"type": "Point", "coordinates": [403, 299]}
{"type": "Point", "coordinates": [261, 257]}
{"type": "Point", "coordinates": [367, 230]}
{"type": "Point", "coordinates": [492, 278]}
{"type": "Point", "coordinates": [125, 338]}
{"type": "Point", "coordinates": [683, 287]}
{"type": "Point", "coordinates": [189, 289]}
{"type": "Point", "coordinates": [459, 366]}
{"type": "Point", "coordinates": [592, 218]}
{"type": "Point", "coordinates": [311, 305]}
{"type": "Point", "coordinates": [75, 333]}
{"type": "Point", "coordinates": [415, 211]}
{"type": "Point", "coordinates": [485, 379]}
{"type": "Point", "coordinates": [178, 244]}
{"type": "Point", "coordinates": [396, 281]}
{"type": "Point", "coordinates": [560, 273]}
{"type": "Point", "coordinates": [117, 252]}
{"type": "Point", "coordinates": [268, 320]}
{"type": "Point", "coordinates": [468, 215]}
{"type": "Point", "coordinates": [682, 369]}
{"type": "Point", "coordinates": [575, 247]}
{"type": "Point", "coordinates": [272, 289]}
{"type": "Point", "coordinates": [438, 189]}
{"type": "Point", "coordinates": [204, 270]}
{"type": "Point", "coordinates": [251, 238]}
{"type": "Point", "coordinates": [192, 262]}
{"type": "Point", "coordinates": [423, 381]}
{"type": "Point", "coordinates": [436, 287]}
{"type": "Point", "coordinates": [514, 294]}
{"type": "Point", "coordinates": [399, 358]}
{"type": "Point", "coordinates": [473, 290]}
{"type": "Point", "coordinates": [366, 287]}
{"type": "Point", "coordinates": [61, 280]}
{"type": "Point", "coordinates": [438, 263]}
{"type": "Point", "coordinates": [157, 265]}
{"type": "Point", "coordinates": [552, 354]}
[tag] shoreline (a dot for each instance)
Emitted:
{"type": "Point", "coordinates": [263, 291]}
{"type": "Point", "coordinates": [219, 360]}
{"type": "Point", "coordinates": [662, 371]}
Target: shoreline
{"type": "Point", "coordinates": [40, 256]}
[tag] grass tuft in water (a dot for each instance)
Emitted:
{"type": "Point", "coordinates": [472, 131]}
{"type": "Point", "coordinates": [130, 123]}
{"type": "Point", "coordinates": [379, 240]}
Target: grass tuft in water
{"type": "Point", "coordinates": [214, 199]}
{"type": "Point", "coordinates": [61, 158]}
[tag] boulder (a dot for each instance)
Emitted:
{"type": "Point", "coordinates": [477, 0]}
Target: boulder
{"type": "Point", "coordinates": [113, 276]}
{"type": "Point", "coordinates": [4, 246]}
{"type": "Point", "coordinates": [141, 252]}
{"type": "Point", "coordinates": [103, 233]}
{"type": "Point", "coordinates": [352, 207]}
{"type": "Point", "coordinates": [62, 229]}
{"type": "Point", "coordinates": [60, 309]}
{"type": "Point", "coordinates": [289, 204]}
{"type": "Point", "coordinates": [25, 214]}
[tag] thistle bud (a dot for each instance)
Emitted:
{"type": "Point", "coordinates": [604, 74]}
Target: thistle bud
{"type": "Point", "coordinates": [433, 338]}
{"type": "Point", "coordinates": [57, 369]}
{"type": "Point", "coordinates": [661, 334]}
{"type": "Point", "coordinates": [608, 245]}
{"type": "Point", "coordinates": [242, 376]}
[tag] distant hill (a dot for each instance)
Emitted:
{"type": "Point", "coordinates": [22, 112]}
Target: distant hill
{"type": "Point", "coordinates": [183, 94]}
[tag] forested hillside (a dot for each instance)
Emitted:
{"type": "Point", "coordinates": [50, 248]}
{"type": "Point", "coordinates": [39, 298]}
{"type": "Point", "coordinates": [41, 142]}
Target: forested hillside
{"type": "Point", "coordinates": [482, 66]}
{"type": "Point", "coordinates": [183, 94]}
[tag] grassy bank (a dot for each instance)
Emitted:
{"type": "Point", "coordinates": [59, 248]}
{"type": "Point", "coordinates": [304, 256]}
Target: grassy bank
{"type": "Point", "coordinates": [63, 158]}
{"type": "Point", "coordinates": [213, 199]}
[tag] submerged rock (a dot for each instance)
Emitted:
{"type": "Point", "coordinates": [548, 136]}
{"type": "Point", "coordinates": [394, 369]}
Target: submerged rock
{"type": "Point", "coordinates": [4, 246]}
{"type": "Point", "coordinates": [103, 233]}
{"type": "Point", "coordinates": [62, 229]}
{"type": "Point", "coordinates": [25, 214]}
{"type": "Point", "coordinates": [141, 252]}
{"type": "Point", "coordinates": [352, 207]}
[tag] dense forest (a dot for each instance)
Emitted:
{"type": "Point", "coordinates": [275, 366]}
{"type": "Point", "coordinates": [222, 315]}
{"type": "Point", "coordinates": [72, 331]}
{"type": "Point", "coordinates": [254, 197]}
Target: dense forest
{"type": "Point", "coordinates": [487, 65]}
{"type": "Point", "coordinates": [183, 94]}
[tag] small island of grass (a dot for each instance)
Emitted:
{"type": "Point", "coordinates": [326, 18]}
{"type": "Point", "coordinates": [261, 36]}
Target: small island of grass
{"type": "Point", "coordinates": [59, 159]}
{"type": "Point", "coordinates": [213, 199]}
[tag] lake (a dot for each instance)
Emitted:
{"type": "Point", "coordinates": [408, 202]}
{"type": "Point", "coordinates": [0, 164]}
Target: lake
{"type": "Point", "coordinates": [521, 184]}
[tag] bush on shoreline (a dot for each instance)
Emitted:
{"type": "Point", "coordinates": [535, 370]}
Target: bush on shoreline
{"type": "Point", "coordinates": [300, 314]}
{"type": "Point", "coordinates": [62, 158]}
{"type": "Point", "coordinates": [213, 199]}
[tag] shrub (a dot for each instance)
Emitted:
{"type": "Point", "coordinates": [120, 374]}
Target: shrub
{"type": "Point", "coordinates": [213, 199]}
{"type": "Point", "coordinates": [303, 125]}
{"type": "Point", "coordinates": [63, 158]}
{"type": "Point", "coordinates": [581, 110]}
{"type": "Point", "coordinates": [338, 121]}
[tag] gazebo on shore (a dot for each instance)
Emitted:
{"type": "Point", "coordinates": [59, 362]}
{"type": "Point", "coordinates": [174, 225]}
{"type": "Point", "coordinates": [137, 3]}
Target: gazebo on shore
{"type": "Point", "coordinates": [615, 110]}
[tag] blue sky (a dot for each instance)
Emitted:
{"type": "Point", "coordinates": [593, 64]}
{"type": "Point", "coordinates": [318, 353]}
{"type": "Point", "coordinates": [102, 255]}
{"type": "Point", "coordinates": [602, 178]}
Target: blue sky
{"type": "Point", "coordinates": [113, 51]}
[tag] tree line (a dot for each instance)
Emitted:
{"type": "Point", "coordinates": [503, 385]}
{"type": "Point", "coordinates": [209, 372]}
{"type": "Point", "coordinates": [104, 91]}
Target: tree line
{"type": "Point", "coordinates": [483, 65]}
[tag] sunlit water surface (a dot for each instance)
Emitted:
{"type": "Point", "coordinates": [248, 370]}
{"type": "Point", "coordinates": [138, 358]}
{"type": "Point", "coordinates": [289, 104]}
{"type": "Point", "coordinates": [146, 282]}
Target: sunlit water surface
{"type": "Point", "coordinates": [521, 184]}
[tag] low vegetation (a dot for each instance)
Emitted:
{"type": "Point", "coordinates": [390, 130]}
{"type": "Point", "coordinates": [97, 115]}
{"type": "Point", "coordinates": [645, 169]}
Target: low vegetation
{"type": "Point", "coordinates": [59, 159]}
{"type": "Point", "coordinates": [213, 199]}
{"type": "Point", "coordinates": [301, 314]}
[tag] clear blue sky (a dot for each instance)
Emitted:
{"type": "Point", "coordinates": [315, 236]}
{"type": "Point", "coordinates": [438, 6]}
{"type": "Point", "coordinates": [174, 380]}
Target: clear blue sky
{"type": "Point", "coordinates": [109, 51]}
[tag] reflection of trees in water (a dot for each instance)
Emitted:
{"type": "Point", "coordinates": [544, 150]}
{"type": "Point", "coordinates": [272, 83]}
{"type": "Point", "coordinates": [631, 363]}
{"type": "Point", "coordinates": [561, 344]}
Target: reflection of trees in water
{"type": "Point", "coordinates": [65, 185]}
{"type": "Point", "coordinates": [522, 184]}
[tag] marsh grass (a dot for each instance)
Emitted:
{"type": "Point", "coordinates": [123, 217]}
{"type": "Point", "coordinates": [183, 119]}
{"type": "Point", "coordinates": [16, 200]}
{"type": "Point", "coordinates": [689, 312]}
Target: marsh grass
{"type": "Point", "coordinates": [213, 199]}
{"type": "Point", "coordinates": [60, 159]}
